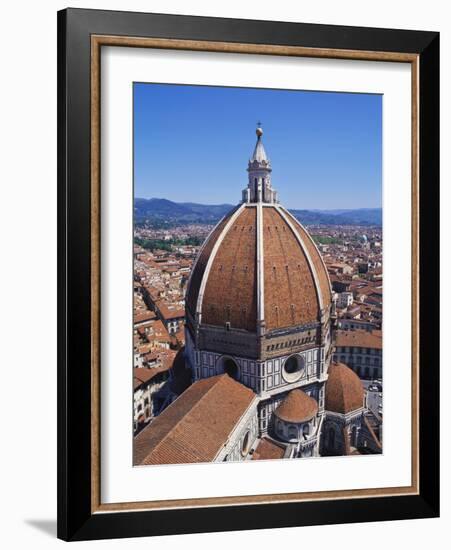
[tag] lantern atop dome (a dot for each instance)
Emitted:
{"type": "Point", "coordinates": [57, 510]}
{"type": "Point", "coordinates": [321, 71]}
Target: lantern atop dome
{"type": "Point", "coordinates": [259, 188]}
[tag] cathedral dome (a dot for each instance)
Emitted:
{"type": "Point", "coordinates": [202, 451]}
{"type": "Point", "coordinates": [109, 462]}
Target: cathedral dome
{"type": "Point", "coordinates": [297, 407]}
{"type": "Point", "coordinates": [344, 390]}
{"type": "Point", "coordinates": [259, 270]}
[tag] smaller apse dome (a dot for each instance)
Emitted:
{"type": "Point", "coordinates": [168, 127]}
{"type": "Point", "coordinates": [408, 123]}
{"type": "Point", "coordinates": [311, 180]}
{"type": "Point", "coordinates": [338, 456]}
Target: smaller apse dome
{"type": "Point", "coordinates": [297, 407]}
{"type": "Point", "coordinates": [344, 390]}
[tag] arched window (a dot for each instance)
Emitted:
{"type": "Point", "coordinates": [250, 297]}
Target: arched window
{"type": "Point", "coordinates": [231, 368]}
{"type": "Point", "coordinates": [306, 430]}
{"type": "Point", "coordinates": [228, 365]}
{"type": "Point", "coordinates": [292, 432]}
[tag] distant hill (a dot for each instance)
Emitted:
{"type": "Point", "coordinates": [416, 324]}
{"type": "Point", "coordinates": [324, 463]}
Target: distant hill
{"type": "Point", "coordinates": [360, 216]}
{"type": "Point", "coordinates": [163, 210]}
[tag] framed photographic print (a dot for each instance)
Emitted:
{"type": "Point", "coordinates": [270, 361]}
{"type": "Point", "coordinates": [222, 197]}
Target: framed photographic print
{"type": "Point", "coordinates": [248, 274]}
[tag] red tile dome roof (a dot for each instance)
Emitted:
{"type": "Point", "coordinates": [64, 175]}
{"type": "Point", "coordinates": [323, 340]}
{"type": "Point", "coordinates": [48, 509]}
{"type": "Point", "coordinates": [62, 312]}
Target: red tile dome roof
{"type": "Point", "coordinates": [258, 266]}
{"type": "Point", "coordinates": [297, 407]}
{"type": "Point", "coordinates": [344, 390]}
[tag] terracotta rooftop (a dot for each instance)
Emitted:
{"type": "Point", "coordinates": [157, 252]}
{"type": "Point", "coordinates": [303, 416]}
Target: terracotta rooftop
{"type": "Point", "coordinates": [169, 311]}
{"type": "Point", "coordinates": [344, 390]}
{"type": "Point", "coordinates": [231, 286]}
{"type": "Point", "coordinates": [144, 316]}
{"type": "Point", "coordinates": [165, 356]}
{"type": "Point", "coordinates": [297, 407]}
{"type": "Point", "coordinates": [196, 426]}
{"type": "Point", "coordinates": [359, 338]}
{"type": "Point", "coordinates": [290, 294]}
{"type": "Point", "coordinates": [294, 276]}
{"type": "Point", "coordinates": [142, 375]}
{"type": "Point", "coordinates": [267, 450]}
{"type": "Point", "coordinates": [201, 263]}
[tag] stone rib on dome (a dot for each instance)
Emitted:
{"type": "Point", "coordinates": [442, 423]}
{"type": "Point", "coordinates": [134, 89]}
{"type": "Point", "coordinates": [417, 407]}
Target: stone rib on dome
{"type": "Point", "coordinates": [344, 390]}
{"type": "Point", "coordinates": [297, 407]}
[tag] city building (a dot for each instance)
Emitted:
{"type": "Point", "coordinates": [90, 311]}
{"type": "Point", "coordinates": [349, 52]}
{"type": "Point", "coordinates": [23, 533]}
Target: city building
{"type": "Point", "coordinates": [344, 299]}
{"type": "Point", "coordinates": [148, 394]}
{"type": "Point", "coordinates": [360, 350]}
{"type": "Point", "coordinates": [357, 324]}
{"type": "Point", "coordinates": [172, 315]}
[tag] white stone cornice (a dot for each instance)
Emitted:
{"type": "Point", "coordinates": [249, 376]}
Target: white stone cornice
{"type": "Point", "coordinates": [260, 272]}
{"type": "Point", "coordinates": [345, 417]}
{"type": "Point", "coordinates": [216, 246]}
{"type": "Point", "coordinates": [201, 249]}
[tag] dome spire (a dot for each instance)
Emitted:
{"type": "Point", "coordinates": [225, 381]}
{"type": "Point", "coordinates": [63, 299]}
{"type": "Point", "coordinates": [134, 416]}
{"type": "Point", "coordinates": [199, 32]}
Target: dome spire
{"type": "Point", "coordinates": [259, 151]}
{"type": "Point", "coordinates": [259, 187]}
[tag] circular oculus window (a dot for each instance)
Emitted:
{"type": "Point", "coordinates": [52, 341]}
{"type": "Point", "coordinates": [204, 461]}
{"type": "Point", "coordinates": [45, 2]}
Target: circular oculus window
{"type": "Point", "coordinates": [293, 368]}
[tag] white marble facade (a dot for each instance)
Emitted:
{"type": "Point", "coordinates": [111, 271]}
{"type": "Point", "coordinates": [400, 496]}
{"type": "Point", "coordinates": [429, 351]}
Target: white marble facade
{"type": "Point", "coordinates": [271, 382]}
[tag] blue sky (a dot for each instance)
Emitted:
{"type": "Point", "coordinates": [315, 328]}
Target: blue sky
{"type": "Point", "coordinates": [192, 144]}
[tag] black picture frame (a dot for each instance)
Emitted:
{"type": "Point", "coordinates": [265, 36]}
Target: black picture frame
{"type": "Point", "coordinates": [76, 521]}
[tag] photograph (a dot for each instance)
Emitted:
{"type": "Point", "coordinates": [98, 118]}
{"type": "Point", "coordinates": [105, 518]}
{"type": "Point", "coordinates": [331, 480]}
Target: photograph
{"type": "Point", "coordinates": [257, 274]}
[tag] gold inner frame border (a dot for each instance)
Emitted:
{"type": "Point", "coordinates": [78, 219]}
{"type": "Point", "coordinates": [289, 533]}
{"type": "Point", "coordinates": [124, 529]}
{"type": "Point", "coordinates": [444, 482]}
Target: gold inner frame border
{"type": "Point", "coordinates": [97, 41]}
